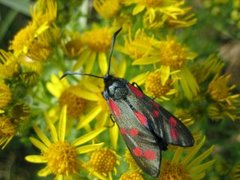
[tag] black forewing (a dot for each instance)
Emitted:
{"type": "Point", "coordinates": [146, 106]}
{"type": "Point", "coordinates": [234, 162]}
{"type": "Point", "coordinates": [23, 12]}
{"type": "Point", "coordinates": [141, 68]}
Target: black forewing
{"type": "Point", "coordinates": [142, 143]}
{"type": "Point", "coordinates": [162, 123]}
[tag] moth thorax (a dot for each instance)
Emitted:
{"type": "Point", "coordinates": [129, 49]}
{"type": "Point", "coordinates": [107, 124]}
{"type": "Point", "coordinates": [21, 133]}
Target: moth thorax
{"type": "Point", "coordinates": [118, 90]}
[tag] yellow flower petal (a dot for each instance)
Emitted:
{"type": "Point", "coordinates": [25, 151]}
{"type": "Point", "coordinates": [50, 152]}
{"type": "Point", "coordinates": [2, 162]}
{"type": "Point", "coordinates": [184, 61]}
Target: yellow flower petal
{"type": "Point", "coordinates": [53, 90]}
{"type": "Point", "coordinates": [177, 155]}
{"type": "Point", "coordinates": [102, 62]}
{"type": "Point", "coordinates": [85, 94]}
{"type": "Point", "coordinates": [89, 117]}
{"type": "Point", "coordinates": [90, 63]}
{"type": "Point", "coordinates": [145, 61]}
{"type": "Point", "coordinates": [113, 132]}
{"type": "Point", "coordinates": [140, 79]}
{"type": "Point", "coordinates": [35, 159]}
{"type": "Point", "coordinates": [138, 9]}
{"type": "Point", "coordinates": [38, 144]}
{"type": "Point", "coordinates": [198, 160]}
{"type": "Point", "coordinates": [88, 148]}
{"type": "Point", "coordinates": [165, 73]}
{"type": "Point", "coordinates": [87, 137]}
{"type": "Point", "coordinates": [82, 59]}
{"type": "Point", "coordinates": [193, 151]}
{"type": "Point", "coordinates": [62, 124]}
{"type": "Point", "coordinates": [202, 167]}
{"type": "Point", "coordinates": [42, 136]}
{"type": "Point", "coordinates": [53, 130]}
{"type": "Point", "coordinates": [122, 70]}
{"type": "Point", "coordinates": [44, 172]}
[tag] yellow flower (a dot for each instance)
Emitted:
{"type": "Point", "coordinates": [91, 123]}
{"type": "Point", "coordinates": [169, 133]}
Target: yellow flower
{"type": "Point", "coordinates": [7, 131]}
{"type": "Point", "coordinates": [67, 95]}
{"type": "Point", "coordinates": [160, 12]}
{"type": "Point", "coordinates": [224, 110]}
{"type": "Point", "coordinates": [172, 15]}
{"type": "Point", "coordinates": [44, 11]}
{"type": "Point", "coordinates": [187, 167]}
{"type": "Point", "coordinates": [32, 43]}
{"type": "Point", "coordinates": [8, 64]}
{"type": "Point", "coordinates": [219, 89]}
{"type": "Point", "coordinates": [98, 41]}
{"type": "Point", "coordinates": [104, 161]}
{"type": "Point", "coordinates": [155, 86]}
{"type": "Point", "coordinates": [5, 95]}
{"type": "Point", "coordinates": [140, 46]}
{"type": "Point", "coordinates": [60, 155]}
{"type": "Point", "coordinates": [74, 46]}
{"type": "Point", "coordinates": [107, 8]}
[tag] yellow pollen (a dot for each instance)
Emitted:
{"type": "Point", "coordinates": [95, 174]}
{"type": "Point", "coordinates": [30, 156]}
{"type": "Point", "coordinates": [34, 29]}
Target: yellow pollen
{"type": "Point", "coordinates": [76, 104]}
{"type": "Point", "coordinates": [153, 85]}
{"type": "Point", "coordinates": [62, 158]}
{"type": "Point", "coordinates": [218, 88]}
{"type": "Point", "coordinates": [103, 160]}
{"type": "Point", "coordinates": [98, 40]}
{"type": "Point", "coordinates": [172, 54]}
{"type": "Point", "coordinates": [7, 128]}
{"type": "Point", "coordinates": [134, 175]}
{"type": "Point", "coordinates": [174, 172]}
{"type": "Point", "coordinates": [5, 95]}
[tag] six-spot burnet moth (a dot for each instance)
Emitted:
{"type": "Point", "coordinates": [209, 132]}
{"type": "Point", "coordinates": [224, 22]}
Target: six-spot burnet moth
{"type": "Point", "coordinates": [146, 127]}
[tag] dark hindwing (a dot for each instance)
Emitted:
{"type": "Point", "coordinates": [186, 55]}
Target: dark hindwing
{"type": "Point", "coordinates": [161, 122]}
{"type": "Point", "coordinates": [142, 144]}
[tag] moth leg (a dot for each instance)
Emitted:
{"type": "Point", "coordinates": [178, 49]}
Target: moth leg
{"type": "Point", "coordinates": [136, 85]}
{"type": "Point", "coordinates": [113, 121]}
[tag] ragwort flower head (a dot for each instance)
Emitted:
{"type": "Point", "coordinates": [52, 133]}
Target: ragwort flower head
{"type": "Point", "coordinates": [188, 167]}
{"type": "Point", "coordinates": [107, 8]}
{"type": "Point", "coordinates": [7, 130]}
{"type": "Point", "coordinates": [167, 53]}
{"type": "Point", "coordinates": [220, 90]}
{"type": "Point", "coordinates": [98, 41]}
{"type": "Point", "coordinates": [8, 64]}
{"type": "Point", "coordinates": [138, 47]}
{"type": "Point", "coordinates": [103, 161]}
{"type": "Point", "coordinates": [61, 156]}
{"type": "Point", "coordinates": [67, 95]}
{"type": "Point", "coordinates": [5, 95]}
{"type": "Point", "coordinates": [156, 87]}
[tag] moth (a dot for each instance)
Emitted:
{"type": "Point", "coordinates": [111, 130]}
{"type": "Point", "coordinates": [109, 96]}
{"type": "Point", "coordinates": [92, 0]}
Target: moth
{"type": "Point", "coordinates": [146, 127]}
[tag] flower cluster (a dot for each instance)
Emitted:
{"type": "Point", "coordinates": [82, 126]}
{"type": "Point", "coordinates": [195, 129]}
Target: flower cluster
{"type": "Point", "coordinates": [65, 124]}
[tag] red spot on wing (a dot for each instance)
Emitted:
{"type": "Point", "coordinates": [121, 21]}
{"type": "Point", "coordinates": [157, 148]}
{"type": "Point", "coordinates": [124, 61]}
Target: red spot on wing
{"type": "Point", "coordinates": [123, 131]}
{"type": "Point", "coordinates": [141, 118]}
{"type": "Point", "coordinates": [114, 108]}
{"type": "Point", "coordinates": [173, 133]}
{"type": "Point", "coordinates": [133, 132]}
{"type": "Point", "coordinates": [136, 91]}
{"type": "Point", "coordinates": [172, 122]}
{"type": "Point", "coordinates": [156, 105]}
{"type": "Point", "coordinates": [150, 154]}
{"type": "Point", "coordinates": [155, 113]}
{"type": "Point", "coordinates": [137, 151]}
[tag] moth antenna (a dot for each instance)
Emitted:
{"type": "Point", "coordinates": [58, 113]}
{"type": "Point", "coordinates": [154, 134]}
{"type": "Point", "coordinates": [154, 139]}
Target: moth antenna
{"type": "Point", "coordinates": [111, 49]}
{"type": "Point", "coordinates": [77, 73]}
